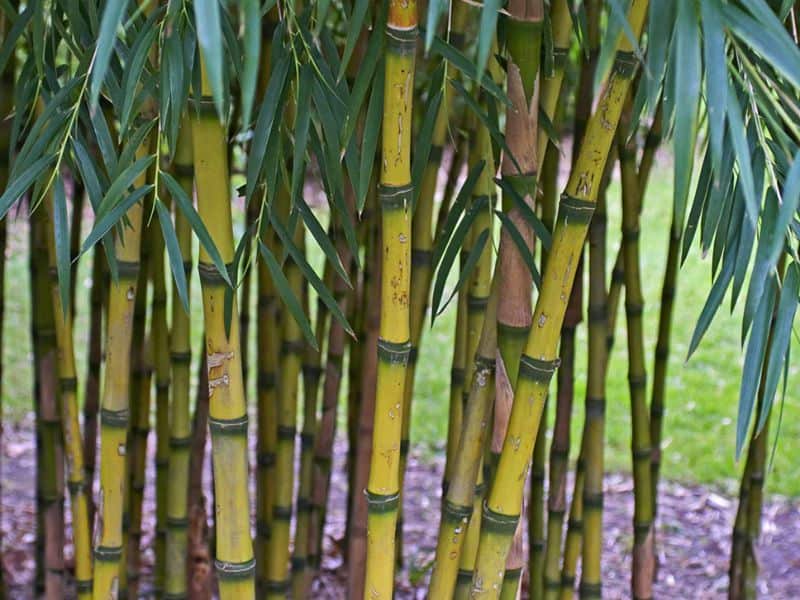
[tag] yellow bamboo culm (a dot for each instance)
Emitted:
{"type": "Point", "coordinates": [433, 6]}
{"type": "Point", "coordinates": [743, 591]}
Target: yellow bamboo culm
{"type": "Point", "coordinates": [539, 360]}
{"type": "Point", "coordinates": [115, 407]}
{"type": "Point", "coordinates": [227, 418]}
{"type": "Point", "coordinates": [394, 334]}
{"type": "Point", "coordinates": [180, 357]}
{"type": "Point", "coordinates": [70, 425]}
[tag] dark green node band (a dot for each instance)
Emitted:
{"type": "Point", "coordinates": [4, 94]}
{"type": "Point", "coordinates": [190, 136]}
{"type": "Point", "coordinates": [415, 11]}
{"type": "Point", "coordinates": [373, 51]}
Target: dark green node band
{"type": "Point", "coordinates": [534, 369]}
{"type": "Point", "coordinates": [306, 441]}
{"type": "Point", "coordinates": [174, 596]}
{"type": "Point", "coordinates": [394, 197]}
{"type": "Point", "coordinates": [552, 584]}
{"type": "Point", "coordinates": [435, 154]}
{"type": "Point", "coordinates": [292, 347]}
{"type": "Point", "coordinates": [637, 381]}
{"type": "Point", "coordinates": [68, 384]}
{"type": "Point", "coordinates": [312, 372]}
{"type": "Point", "coordinates": [625, 63]}
{"type": "Point", "coordinates": [485, 363]}
{"type": "Point", "coordinates": [235, 570]}
{"type": "Point", "coordinates": [210, 275]}
{"type": "Point", "coordinates": [180, 442]}
{"type": "Point", "coordinates": [183, 170]}
{"type": "Point", "coordinates": [656, 411]}
{"type": "Point", "coordinates": [456, 376]}
{"type": "Point", "coordinates": [404, 444]}
{"type": "Point", "coordinates": [181, 357]}
{"type": "Point", "coordinates": [204, 106]}
{"type": "Point", "coordinates": [303, 505]}
{"type": "Point", "coordinates": [575, 210]}
{"type": "Point", "coordinates": [537, 545]}
{"type": "Point", "coordinates": [127, 269]}
{"type": "Point", "coordinates": [641, 529]}
{"type": "Point", "coordinates": [286, 432]}
{"type": "Point", "coordinates": [512, 574]}
{"type": "Point", "coordinates": [629, 236]}
{"type": "Point", "coordinates": [464, 576]}
{"type": "Point", "coordinates": [496, 522]}
{"type": "Point", "coordinates": [299, 564]}
{"type": "Point", "coordinates": [76, 487]}
{"type": "Point", "coordinates": [598, 314]}
{"type": "Point", "coordinates": [634, 310]}
{"type": "Point", "coordinates": [237, 426]}
{"type": "Point", "coordinates": [455, 513]}
{"type": "Point", "coordinates": [402, 40]}
{"type": "Point", "coordinates": [642, 454]}
{"type": "Point", "coordinates": [177, 522]}
{"type": "Point", "coordinates": [115, 418]}
{"type": "Point", "coordinates": [108, 553]}
{"type": "Point", "coordinates": [592, 500]}
{"type": "Point", "coordinates": [421, 258]}
{"type": "Point", "coordinates": [595, 407]}
{"type": "Point", "coordinates": [282, 513]}
{"type": "Point", "coordinates": [560, 56]}
{"type": "Point", "coordinates": [381, 503]}
{"type": "Point", "coordinates": [568, 581]}
{"type": "Point", "coordinates": [618, 276]}
{"type": "Point", "coordinates": [476, 303]}
{"type": "Point", "coordinates": [512, 331]}
{"type": "Point", "coordinates": [591, 590]}
{"type": "Point", "coordinates": [575, 524]}
{"type": "Point", "coordinates": [263, 529]}
{"type": "Point", "coordinates": [265, 459]}
{"type": "Point", "coordinates": [393, 353]}
{"type": "Point", "coordinates": [653, 140]}
{"type": "Point", "coordinates": [412, 355]}
{"type": "Point", "coordinates": [162, 387]}
{"type": "Point", "coordinates": [266, 380]}
{"type": "Point", "coordinates": [83, 585]}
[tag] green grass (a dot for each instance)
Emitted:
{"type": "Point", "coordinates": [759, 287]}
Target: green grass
{"type": "Point", "coordinates": [702, 396]}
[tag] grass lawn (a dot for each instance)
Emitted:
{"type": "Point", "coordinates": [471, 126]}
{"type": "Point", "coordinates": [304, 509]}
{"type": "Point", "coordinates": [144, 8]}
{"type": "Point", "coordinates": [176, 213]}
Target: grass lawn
{"type": "Point", "coordinates": [699, 430]}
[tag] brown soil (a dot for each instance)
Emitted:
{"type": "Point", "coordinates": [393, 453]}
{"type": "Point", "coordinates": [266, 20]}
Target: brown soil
{"type": "Point", "coordinates": [693, 534]}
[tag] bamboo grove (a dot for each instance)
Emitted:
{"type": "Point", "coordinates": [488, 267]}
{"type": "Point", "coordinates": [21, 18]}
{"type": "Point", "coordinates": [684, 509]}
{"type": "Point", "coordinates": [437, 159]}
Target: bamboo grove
{"type": "Point", "coordinates": [275, 200]}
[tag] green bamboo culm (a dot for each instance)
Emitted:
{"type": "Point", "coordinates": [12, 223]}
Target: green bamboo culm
{"type": "Point", "coordinates": [49, 582]}
{"type": "Point", "coordinates": [115, 407]}
{"type": "Point", "coordinates": [235, 564]}
{"type": "Point", "coordinates": [643, 551]}
{"type": "Point", "coordinates": [177, 516]}
{"type": "Point", "coordinates": [312, 372]}
{"type": "Point", "coordinates": [539, 361]}
{"type": "Point", "coordinates": [394, 345]}
{"type": "Point", "coordinates": [290, 364]}
{"type": "Point", "coordinates": [68, 385]}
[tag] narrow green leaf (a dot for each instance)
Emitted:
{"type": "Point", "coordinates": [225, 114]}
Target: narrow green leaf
{"type": "Point", "coordinates": [21, 183]}
{"type": "Point", "coordinates": [173, 253]}
{"type": "Point", "coordinates": [112, 19]}
{"type": "Point", "coordinates": [422, 148]}
{"type": "Point", "coordinates": [465, 67]}
{"type": "Point", "coordinates": [251, 13]}
{"type": "Point", "coordinates": [753, 362]}
{"type": "Point", "coordinates": [209, 35]}
{"type": "Point", "coordinates": [61, 232]}
{"type": "Point", "coordinates": [114, 215]}
{"type": "Point", "coordinates": [369, 145]}
{"type": "Point", "coordinates": [185, 206]}
{"type": "Point", "coordinates": [781, 338]}
{"type": "Point", "coordinates": [486, 33]}
{"type": "Point", "coordinates": [522, 247]}
{"type": "Point", "coordinates": [285, 291]}
{"type": "Point", "coordinates": [742, 150]}
{"type": "Point", "coordinates": [122, 183]}
{"type": "Point", "coordinates": [354, 25]}
{"type": "Point", "coordinates": [302, 121]}
{"type": "Point", "coordinates": [527, 213]}
{"type": "Point", "coordinates": [466, 270]}
{"type": "Point", "coordinates": [716, 68]}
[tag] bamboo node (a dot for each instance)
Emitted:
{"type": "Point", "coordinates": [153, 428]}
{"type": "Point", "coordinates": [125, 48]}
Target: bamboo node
{"type": "Point", "coordinates": [217, 359]}
{"type": "Point", "coordinates": [235, 570]}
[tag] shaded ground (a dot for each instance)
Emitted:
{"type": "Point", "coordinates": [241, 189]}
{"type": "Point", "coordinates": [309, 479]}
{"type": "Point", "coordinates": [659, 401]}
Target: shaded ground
{"type": "Point", "coordinates": [693, 532]}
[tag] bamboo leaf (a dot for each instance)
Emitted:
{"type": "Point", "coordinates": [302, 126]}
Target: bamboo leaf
{"type": "Point", "coordinates": [112, 216]}
{"type": "Point", "coordinates": [527, 213]}
{"type": "Point", "coordinates": [122, 183]}
{"type": "Point", "coordinates": [781, 338]}
{"type": "Point", "coordinates": [62, 239]}
{"type": "Point", "coordinates": [436, 8]}
{"type": "Point", "coordinates": [285, 291]}
{"type": "Point", "coordinates": [251, 13]}
{"type": "Point", "coordinates": [185, 206]}
{"type": "Point", "coordinates": [522, 247]}
{"type": "Point", "coordinates": [265, 123]}
{"type": "Point", "coordinates": [712, 303]}
{"type": "Point", "coordinates": [112, 19]}
{"type": "Point", "coordinates": [22, 182]}
{"type": "Point", "coordinates": [355, 24]}
{"type": "Point", "coordinates": [14, 33]}
{"type": "Point", "coordinates": [369, 145]}
{"type": "Point", "coordinates": [453, 248]}
{"type": "Point", "coordinates": [209, 35]}
{"type": "Point", "coordinates": [455, 212]}
{"type": "Point", "coordinates": [753, 361]}
{"type": "Point", "coordinates": [302, 121]}
{"type": "Point", "coordinates": [173, 253]}
{"type": "Point", "coordinates": [716, 68]}
{"type": "Point", "coordinates": [465, 67]}
{"type": "Point", "coordinates": [422, 148]}
{"type": "Point", "coordinates": [466, 270]}
{"type": "Point", "coordinates": [486, 33]}
{"type": "Point", "coordinates": [742, 150]}
{"type": "Point", "coordinates": [687, 88]}
{"type": "Point", "coordinates": [309, 273]}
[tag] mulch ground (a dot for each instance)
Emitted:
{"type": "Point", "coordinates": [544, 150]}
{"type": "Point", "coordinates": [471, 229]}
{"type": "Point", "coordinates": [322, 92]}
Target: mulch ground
{"type": "Point", "coordinates": [694, 532]}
